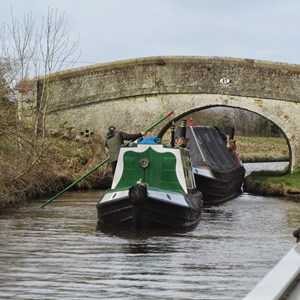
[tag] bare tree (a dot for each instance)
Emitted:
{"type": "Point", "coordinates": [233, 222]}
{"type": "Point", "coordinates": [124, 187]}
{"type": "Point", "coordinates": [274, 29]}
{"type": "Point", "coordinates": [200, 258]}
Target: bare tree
{"type": "Point", "coordinates": [56, 52]}
{"type": "Point", "coordinates": [29, 51]}
{"type": "Point", "coordinates": [32, 51]}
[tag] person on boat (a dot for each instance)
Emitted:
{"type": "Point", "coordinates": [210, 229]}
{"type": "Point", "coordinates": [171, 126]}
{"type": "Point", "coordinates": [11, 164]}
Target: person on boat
{"type": "Point", "coordinates": [222, 135]}
{"type": "Point", "coordinates": [232, 148]}
{"type": "Point", "coordinates": [114, 140]}
{"type": "Point", "coordinates": [149, 138]}
{"type": "Point", "coordinates": [181, 141]}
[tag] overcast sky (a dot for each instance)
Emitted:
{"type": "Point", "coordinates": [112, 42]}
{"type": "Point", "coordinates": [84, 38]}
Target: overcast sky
{"type": "Point", "coordinates": [111, 30]}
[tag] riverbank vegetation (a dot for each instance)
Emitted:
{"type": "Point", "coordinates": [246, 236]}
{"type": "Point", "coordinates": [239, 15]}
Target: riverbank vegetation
{"type": "Point", "coordinates": [30, 162]}
{"type": "Point", "coordinates": [32, 167]}
{"type": "Point", "coordinates": [276, 183]}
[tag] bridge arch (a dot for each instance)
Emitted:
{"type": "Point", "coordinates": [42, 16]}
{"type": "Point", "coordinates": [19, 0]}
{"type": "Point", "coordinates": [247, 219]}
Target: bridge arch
{"type": "Point", "coordinates": [131, 94]}
{"type": "Point", "coordinates": [187, 113]}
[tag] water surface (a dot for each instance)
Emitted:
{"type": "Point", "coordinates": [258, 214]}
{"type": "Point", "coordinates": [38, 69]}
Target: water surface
{"type": "Point", "coordinates": [56, 253]}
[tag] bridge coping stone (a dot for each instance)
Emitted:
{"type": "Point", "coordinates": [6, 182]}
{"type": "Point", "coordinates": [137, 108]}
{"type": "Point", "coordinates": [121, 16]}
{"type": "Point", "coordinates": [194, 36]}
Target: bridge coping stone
{"type": "Point", "coordinates": [244, 62]}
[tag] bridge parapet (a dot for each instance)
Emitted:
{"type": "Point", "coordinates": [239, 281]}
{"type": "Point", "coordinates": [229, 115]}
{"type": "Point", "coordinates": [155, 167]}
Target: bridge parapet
{"type": "Point", "coordinates": [187, 75]}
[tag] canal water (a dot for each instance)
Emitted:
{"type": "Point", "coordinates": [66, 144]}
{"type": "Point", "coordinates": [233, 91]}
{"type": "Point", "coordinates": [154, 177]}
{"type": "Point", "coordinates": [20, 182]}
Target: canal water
{"type": "Point", "coordinates": [56, 253]}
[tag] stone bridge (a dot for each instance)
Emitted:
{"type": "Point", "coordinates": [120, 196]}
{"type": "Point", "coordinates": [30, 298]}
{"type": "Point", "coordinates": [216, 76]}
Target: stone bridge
{"type": "Point", "coordinates": [134, 93]}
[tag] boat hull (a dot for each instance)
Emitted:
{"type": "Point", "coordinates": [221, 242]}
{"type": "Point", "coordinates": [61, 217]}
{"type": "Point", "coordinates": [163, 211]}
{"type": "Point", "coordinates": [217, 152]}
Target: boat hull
{"type": "Point", "coordinates": [143, 208]}
{"type": "Point", "coordinates": [221, 186]}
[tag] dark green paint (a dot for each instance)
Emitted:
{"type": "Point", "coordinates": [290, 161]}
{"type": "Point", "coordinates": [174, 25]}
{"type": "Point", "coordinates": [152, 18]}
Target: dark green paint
{"type": "Point", "coordinates": [160, 174]}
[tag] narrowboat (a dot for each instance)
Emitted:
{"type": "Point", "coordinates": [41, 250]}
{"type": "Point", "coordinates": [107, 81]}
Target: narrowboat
{"type": "Point", "coordinates": [218, 171]}
{"type": "Point", "coordinates": [153, 188]}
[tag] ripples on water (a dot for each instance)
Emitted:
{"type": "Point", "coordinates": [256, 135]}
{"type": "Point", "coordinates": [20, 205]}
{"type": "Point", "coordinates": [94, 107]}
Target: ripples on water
{"type": "Point", "coordinates": [55, 252]}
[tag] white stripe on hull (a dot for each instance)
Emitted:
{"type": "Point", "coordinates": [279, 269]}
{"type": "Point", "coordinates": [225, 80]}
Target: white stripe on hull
{"type": "Point", "coordinates": [175, 198]}
{"type": "Point", "coordinates": [169, 197]}
{"type": "Point", "coordinates": [111, 196]}
{"type": "Point", "coordinates": [203, 171]}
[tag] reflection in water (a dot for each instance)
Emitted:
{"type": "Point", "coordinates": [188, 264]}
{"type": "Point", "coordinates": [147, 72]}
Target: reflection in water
{"type": "Point", "coordinates": [55, 252]}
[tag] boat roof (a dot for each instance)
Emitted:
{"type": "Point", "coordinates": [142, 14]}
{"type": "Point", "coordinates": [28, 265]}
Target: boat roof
{"type": "Point", "coordinates": [208, 148]}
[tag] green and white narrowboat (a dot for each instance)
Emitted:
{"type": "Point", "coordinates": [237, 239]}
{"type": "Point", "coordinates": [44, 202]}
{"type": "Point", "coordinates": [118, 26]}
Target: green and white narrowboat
{"type": "Point", "coordinates": [153, 187]}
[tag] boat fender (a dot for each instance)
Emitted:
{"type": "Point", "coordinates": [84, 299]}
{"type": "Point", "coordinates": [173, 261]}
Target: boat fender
{"type": "Point", "coordinates": [137, 193]}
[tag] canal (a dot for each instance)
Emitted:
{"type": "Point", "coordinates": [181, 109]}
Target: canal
{"type": "Point", "coordinates": [56, 253]}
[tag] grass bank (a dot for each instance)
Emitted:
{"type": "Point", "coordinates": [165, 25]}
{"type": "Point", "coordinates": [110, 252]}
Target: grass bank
{"type": "Point", "coordinates": [262, 149]}
{"type": "Point", "coordinates": [275, 183]}
{"type": "Point", "coordinates": [42, 169]}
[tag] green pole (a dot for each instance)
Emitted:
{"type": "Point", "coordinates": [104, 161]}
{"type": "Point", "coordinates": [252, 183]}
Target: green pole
{"type": "Point", "coordinates": [159, 121]}
{"type": "Point", "coordinates": [79, 179]}
{"type": "Point", "coordinates": [99, 165]}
